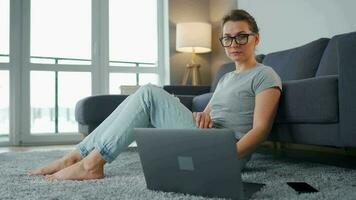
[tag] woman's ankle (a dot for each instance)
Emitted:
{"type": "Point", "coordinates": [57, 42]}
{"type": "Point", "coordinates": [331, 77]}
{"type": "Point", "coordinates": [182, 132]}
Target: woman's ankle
{"type": "Point", "coordinates": [94, 161]}
{"type": "Point", "coordinates": [72, 157]}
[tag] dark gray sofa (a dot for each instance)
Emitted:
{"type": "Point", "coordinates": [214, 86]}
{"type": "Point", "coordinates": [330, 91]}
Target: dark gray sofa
{"type": "Point", "coordinates": [317, 103]}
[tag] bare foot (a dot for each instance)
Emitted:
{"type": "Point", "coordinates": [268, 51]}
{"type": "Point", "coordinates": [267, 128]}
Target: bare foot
{"type": "Point", "coordinates": [57, 165]}
{"type": "Point", "coordinates": [91, 167]}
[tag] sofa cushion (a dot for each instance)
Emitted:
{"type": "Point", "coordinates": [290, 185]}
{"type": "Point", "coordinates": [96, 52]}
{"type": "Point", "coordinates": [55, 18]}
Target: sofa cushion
{"type": "Point", "coordinates": [186, 100]}
{"type": "Point", "coordinates": [201, 101]}
{"type": "Point", "coordinates": [329, 63]}
{"type": "Point", "coordinates": [297, 63]}
{"type": "Point", "coordinates": [260, 57]}
{"type": "Point", "coordinates": [313, 100]}
{"type": "Point", "coordinates": [186, 89]}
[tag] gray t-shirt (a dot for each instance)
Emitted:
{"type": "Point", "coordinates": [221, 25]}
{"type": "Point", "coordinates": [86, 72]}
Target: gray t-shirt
{"type": "Point", "coordinates": [233, 102]}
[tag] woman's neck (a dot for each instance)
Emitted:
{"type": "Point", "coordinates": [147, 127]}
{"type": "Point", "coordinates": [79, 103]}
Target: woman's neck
{"type": "Point", "coordinates": [243, 66]}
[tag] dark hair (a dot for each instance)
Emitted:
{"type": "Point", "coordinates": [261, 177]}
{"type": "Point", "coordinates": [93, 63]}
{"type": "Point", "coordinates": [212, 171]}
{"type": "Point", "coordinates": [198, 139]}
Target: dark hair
{"type": "Point", "coordinates": [241, 15]}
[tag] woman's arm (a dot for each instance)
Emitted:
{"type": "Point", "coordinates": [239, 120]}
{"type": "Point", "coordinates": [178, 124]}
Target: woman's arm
{"type": "Point", "coordinates": [266, 104]}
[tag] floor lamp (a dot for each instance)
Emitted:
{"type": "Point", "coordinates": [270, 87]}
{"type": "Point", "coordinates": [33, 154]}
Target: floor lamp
{"type": "Point", "coordinates": [193, 37]}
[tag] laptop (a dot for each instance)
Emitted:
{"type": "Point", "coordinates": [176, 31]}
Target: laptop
{"type": "Point", "coordinates": [192, 161]}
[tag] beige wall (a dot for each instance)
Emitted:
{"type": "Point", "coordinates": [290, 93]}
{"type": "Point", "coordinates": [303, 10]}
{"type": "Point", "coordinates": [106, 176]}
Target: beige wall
{"type": "Point", "coordinates": [209, 11]}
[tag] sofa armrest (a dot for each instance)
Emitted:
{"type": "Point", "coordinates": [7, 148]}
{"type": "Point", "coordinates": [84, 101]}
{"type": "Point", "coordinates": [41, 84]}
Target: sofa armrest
{"type": "Point", "coordinates": [95, 109]}
{"type": "Point", "coordinates": [186, 89]}
{"type": "Point", "coordinates": [346, 48]}
{"type": "Point", "coordinates": [311, 100]}
{"type": "Point", "coordinates": [200, 102]}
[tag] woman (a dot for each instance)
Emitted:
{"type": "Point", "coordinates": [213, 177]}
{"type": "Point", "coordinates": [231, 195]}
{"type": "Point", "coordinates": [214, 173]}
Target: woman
{"type": "Point", "coordinates": [245, 100]}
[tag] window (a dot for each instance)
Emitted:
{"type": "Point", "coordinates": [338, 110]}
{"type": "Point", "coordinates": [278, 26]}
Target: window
{"type": "Point", "coordinates": [133, 31]}
{"type": "Point", "coordinates": [64, 51]}
{"type": "Point", "coordinates": [61, 31]}
{"type": "Point", "coordinates": [4, 66]}
{"type": "Point", "coordinates": [60, 36]}
{"type": "Point", "coordinates": [148, 78]}
{"type": "Point", "coordinates": [4, 31]}
{"type": "Point", "coordinates": [120, 79]}
{"type": "Point", "coordinates": [132, 42]}
{"type": "Point", "coordinates": [4, 102]}
{"type": "Point", "coordinates": [42, 90]}
{"type": "Point", "coordinates": [53, 99]}
{"type": "Point", "coordinates": [72, 86]}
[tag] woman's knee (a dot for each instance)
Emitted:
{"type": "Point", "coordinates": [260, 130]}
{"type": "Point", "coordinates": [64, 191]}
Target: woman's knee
{"type": "Point", "coordinates": [149, 88]}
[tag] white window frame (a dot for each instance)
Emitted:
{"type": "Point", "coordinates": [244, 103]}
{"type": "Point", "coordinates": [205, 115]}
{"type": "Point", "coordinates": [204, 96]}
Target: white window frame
{"type": "Point", "coordinates": [21, 67]}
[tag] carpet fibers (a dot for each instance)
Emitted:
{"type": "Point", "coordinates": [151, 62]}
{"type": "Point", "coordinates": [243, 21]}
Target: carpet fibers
{"type": "Point", "coordinates": [125, 180]}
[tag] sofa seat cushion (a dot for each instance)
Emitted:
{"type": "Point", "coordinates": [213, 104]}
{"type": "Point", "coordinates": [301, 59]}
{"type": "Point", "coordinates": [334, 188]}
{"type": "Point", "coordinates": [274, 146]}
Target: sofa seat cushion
{"type": "Point", "coordinates": [201, 101]}
{"type": "Point", "coordinates": [313, 100]}
{"type": "Point", "coordinates": [298, 63]}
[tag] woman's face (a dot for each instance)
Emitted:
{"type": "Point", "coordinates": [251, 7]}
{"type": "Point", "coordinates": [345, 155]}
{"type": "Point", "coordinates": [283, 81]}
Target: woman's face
{"type": "Point", "coordinates": [240, 52]}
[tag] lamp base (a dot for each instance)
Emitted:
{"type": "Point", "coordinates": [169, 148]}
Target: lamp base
{"type": "Point", "coordinates": [191, 69]}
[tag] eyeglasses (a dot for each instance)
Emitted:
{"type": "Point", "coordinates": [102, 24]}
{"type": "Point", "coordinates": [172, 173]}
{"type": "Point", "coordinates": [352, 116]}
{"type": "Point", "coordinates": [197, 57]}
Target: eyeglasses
{"type": "Point", "coordinates": [240, 39]}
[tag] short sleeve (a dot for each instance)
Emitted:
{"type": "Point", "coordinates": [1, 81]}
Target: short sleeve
{"type": "Point", "coordinates": [218, 87]}
{"type": "Point", "coordinates": [267, 78]}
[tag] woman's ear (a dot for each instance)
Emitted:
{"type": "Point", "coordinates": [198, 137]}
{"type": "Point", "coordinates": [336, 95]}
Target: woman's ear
{"type": "Point", "coordinates": [257, 39]}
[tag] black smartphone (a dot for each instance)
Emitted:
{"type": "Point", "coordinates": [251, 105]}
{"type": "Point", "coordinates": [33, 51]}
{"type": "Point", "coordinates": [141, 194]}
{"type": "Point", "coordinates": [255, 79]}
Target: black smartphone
{"type": "Point", "coordinates": [302, 187]}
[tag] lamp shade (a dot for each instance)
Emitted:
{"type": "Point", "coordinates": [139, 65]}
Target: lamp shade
{"type": "Point", "coordinates": [193, 37]}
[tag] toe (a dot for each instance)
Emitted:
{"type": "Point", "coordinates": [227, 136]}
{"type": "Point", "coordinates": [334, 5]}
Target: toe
{"type": "Point", "coordinates": [49, 177]}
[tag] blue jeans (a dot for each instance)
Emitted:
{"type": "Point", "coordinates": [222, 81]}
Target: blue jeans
{"type": "Point", "coordinates": [149, 106]}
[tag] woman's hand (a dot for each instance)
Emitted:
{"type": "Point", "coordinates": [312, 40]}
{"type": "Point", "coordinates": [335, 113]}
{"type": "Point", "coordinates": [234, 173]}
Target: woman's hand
{"type": "Point", "coordinates": [203, 120]}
